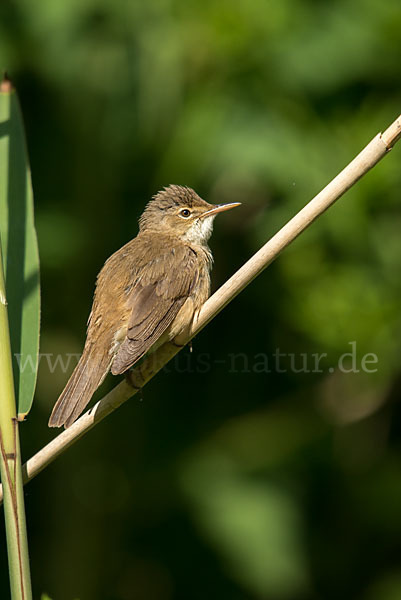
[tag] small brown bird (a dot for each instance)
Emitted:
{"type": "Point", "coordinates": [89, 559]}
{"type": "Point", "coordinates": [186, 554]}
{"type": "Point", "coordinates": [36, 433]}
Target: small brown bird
{"type": "Point", "coordinates": [147, 293]}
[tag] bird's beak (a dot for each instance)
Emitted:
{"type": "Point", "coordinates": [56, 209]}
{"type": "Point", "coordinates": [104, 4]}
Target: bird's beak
{"type": "Point", "coordinates": [219, 208]}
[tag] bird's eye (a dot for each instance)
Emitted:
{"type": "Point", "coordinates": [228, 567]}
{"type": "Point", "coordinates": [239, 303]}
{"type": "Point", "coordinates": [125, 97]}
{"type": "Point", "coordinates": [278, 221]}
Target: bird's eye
{"type": "Point", "coordinates": [185, 213]}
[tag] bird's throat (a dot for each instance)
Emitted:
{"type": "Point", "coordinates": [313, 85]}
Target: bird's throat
{"type": "Point", "coordinates": [200, 231]}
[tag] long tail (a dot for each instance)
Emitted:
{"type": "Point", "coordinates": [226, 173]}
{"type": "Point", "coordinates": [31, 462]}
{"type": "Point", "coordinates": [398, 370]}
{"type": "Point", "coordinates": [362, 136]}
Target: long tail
{"type": "Point", "coordinates": [84, 381]}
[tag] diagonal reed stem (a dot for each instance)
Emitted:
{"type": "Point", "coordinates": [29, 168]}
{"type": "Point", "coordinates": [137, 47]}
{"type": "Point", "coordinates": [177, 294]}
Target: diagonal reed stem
{"type": "Point", "coordinates": [366, 159]}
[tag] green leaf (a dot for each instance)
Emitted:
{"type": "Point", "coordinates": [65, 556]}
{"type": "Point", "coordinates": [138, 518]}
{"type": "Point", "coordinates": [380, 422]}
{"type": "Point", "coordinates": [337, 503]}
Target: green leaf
{"type": "Point", "coordinates": [20, 249]}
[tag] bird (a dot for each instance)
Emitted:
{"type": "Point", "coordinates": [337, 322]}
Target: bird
{"type": "Point", "coordinates": [147, 293]}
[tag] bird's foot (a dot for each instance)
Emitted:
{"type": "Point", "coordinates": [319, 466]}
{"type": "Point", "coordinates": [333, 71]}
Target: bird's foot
{"type": "Point", "coordinates": [178, 345]}
{"type": "Point", "coordinates": [131, 378]}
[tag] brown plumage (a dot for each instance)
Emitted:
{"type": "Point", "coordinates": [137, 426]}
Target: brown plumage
{"type": "Point", "coordinates": [146, 294]}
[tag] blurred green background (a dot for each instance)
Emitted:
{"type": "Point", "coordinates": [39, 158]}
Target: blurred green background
{"type": "Point", "coordinates": [226, 481]}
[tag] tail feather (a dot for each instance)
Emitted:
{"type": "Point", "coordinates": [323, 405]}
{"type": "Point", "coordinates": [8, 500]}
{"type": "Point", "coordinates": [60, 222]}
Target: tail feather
{"type": "Point", "coordinates": [84, 381]}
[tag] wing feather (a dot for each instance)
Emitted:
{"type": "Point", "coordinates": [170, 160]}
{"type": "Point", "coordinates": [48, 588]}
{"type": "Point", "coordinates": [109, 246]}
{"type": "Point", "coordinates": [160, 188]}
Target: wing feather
{"type": "Point", "coordinates": [158, 293]}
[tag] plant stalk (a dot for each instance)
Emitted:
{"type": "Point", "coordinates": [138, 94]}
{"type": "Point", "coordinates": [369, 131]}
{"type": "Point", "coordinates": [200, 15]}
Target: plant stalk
{"type": "Point", "coordinates": [10, 464]}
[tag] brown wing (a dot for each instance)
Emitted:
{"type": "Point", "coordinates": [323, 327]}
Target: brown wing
{"type": "Point", "coordinates": [157, 295]}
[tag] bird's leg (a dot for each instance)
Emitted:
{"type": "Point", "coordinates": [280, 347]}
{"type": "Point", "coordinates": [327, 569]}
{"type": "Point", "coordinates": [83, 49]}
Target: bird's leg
{"type": "Point", "coordinates": [130, 377]}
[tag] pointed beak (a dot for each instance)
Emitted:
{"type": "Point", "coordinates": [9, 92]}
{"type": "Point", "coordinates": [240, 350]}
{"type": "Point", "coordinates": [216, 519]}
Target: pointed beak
{"type": "Point", "coordinates": [219, 208]}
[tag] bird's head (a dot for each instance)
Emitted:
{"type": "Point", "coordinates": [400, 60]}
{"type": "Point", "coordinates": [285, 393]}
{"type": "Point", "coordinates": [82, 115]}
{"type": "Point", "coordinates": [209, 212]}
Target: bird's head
{"type": "Point", "coordinates": [179, 211]}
